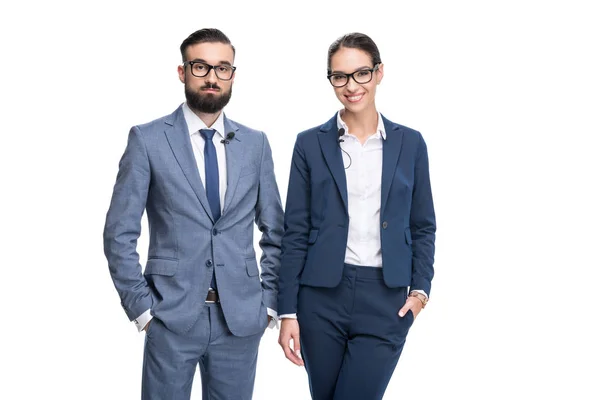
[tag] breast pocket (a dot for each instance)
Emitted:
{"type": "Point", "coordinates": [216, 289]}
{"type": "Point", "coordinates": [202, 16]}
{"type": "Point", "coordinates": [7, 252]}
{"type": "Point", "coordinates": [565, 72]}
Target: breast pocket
{"type": "Point", "coordinates": [247, 172]}
{"type": "Point", "coordinates": [403, 179]}
{"type": "Point", "coordinates": [321, 193]}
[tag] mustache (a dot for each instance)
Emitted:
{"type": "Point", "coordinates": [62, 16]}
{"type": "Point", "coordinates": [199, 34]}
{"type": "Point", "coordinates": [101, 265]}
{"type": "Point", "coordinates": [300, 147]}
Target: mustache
{"type": "Point", "coordinates": [210, 86]}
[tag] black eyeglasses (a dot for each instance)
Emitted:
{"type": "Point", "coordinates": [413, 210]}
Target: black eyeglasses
{"type": "Point", "coordinates": [361, 76]}
{"type": "Point", "coordinates": [201, 69]}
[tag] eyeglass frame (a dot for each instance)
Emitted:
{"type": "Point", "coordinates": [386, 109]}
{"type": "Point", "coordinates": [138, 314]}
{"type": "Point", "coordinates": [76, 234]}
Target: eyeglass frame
{"type": "Point", "coordinates": [348, 76]}
{"type": "Point", "coordinates": [210, 67]}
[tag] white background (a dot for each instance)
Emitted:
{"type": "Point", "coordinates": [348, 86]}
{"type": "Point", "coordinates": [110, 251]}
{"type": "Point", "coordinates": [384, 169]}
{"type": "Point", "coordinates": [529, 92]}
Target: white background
{"type": "Point", "coordinates": [505, 93]}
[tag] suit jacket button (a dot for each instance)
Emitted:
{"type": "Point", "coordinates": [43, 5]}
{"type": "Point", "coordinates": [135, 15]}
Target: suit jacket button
{"type": "Point", "coordinates": [209, 263]}
{"type": "Point", "coordinates": [215, 232]}
{"type": "Point", "coordinates": [384, 225]}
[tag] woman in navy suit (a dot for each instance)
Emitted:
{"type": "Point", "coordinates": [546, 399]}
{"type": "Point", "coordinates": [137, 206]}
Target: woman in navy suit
{"type": "Point", "coordinates": [358, 247]}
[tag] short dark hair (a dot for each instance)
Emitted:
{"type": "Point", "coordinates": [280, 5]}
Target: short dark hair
{"type": "Point", "coordinates": [210, 35]}
{"type": "Point", "coordinates": [354, 40]}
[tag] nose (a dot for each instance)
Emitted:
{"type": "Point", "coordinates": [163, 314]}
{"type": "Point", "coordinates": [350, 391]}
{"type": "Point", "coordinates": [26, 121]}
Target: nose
{"type": "Point", "coordinates": [212, 76]}
{"type": "Point", "coordinates": [352, 86]}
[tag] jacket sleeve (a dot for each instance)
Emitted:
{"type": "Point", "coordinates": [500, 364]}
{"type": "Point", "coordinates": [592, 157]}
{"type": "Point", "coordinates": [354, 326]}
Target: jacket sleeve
{"type": "Point", "coordinates": [297, 226]}
{"type": "Point", "coordinates": [123, 226]}
{"type": "Point", "coordinates": [422, 223]}
{"type": "Point", "coordinates": [269, 219]}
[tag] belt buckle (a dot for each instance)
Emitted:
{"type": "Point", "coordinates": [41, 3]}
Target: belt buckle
{"type": "Point", "coordinates": [211, 291]}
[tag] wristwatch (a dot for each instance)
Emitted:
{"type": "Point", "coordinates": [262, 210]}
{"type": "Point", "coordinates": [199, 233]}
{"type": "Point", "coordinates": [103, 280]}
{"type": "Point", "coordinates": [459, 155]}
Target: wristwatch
{"type": "Point", "coordinates": [419, 296]}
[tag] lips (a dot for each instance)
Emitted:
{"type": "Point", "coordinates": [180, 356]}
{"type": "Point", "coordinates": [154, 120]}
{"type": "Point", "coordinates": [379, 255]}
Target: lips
{"type": "Point", "coordinates": [355, 98]}
{"type": "Point", "coordinates": [210, 88]}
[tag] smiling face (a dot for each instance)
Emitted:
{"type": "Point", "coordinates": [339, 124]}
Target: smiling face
{"type": "Point", "coordinates": [356, 97]}
{"type": "Point", "coordinates": [207, 94]}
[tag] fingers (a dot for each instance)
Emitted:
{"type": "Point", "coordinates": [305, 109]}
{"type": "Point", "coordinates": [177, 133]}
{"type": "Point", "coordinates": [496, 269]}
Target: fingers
{"type": "Point", "coordinates": [293, 356]}
{"type": "Point", "coordinates": [413, 305]}
{"type": "Point", "coordinates": [288, 351]}
{"type": "Point", "coordinates": [297, 356]}
{"type": "Point", "coordinates": [290, 332]}
{"type": "Point", "coordinates": [404, 310]}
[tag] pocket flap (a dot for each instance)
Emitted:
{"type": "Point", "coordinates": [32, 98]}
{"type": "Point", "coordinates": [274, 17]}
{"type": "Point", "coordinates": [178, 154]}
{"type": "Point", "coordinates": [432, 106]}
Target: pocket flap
{"type": "Point", "coordinates": [158, 266]}
{"type": "Point", "coordinates": [251, 266]}
{"type": "Point", "coordinates": [408, 236]}
{"type": "Point", "coordinates": [312, 236]}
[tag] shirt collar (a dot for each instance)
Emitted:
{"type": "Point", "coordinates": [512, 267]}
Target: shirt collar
{"type": "Point", "coordinates": [194, 122]}
{"type": "Point", "coordinates": [380, 133]}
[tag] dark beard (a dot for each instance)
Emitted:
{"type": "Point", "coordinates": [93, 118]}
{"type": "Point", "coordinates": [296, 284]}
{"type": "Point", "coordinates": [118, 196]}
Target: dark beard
{"type": "Point", "coordinates": [206, 103]}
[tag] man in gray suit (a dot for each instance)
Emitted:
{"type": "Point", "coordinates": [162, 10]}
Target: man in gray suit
{"type": "Point", "coordinates": [202, 179]}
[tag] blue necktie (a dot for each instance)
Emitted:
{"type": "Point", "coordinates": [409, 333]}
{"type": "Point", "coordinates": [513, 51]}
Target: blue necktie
{"type": "Point", "coordinates": [211, 169]}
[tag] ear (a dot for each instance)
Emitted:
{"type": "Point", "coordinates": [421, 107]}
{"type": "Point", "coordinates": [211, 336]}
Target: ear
{"type": "Point", "coordinates": [181, 72]}
{"type": "Point", "coordinates": [379, 73]}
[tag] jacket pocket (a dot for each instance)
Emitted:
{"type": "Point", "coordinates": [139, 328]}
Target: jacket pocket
{"type": "Point", "coordinates": [312, 236]}
{"type": "Point", "coordinates": [161, 266]}
{"type": "Point", "coordinates": [251, 266]}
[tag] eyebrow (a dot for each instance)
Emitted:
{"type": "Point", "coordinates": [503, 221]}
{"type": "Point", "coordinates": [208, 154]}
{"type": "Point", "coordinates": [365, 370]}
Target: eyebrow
{"type": "Point", "coordinates": [205, 62]}
{"type": "Point", "coordinates": [358, 69]}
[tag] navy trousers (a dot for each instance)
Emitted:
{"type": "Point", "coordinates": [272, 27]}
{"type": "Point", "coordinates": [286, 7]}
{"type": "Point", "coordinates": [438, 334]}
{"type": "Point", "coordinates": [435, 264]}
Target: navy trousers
{"type": "Point", "coordinates": [351, 336]}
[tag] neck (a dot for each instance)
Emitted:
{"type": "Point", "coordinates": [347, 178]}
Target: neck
{"type": "Point", "coordinates": [363, 124]}
{"type": "Point", "coordinates": [207, 118]}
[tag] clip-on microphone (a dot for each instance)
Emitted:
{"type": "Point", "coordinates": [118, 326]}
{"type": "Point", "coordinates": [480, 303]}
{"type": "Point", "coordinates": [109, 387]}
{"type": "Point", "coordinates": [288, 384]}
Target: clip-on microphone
{"type": "Point", "coordinates": [341, 132]}
{"type": "Point", "coordinates": [228, 138]}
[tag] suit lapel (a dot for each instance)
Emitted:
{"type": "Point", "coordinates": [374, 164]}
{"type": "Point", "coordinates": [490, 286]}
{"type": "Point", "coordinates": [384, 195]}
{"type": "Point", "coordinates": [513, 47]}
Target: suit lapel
{"type": "Point", "coordinates": [177, 134]}
{"type": "Point", "coordinates": [328, 139]}
{"type": "Point", "coordinates": [391, 151]}
{"type": "Point", "coordinates": [234, 155]}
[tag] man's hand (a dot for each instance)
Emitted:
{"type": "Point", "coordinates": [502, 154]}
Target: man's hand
{"type": "Point", "coordinates": [290, 330]}
{"type": "Point", "coordinates": [413, 304]}
{"type": "Point", "coordinates": [147, 325]}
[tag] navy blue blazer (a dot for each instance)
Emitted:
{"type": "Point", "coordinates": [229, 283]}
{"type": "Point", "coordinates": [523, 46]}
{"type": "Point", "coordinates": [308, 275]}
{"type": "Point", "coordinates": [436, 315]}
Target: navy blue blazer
{"type": "Point", "coordinates": [316, 213]}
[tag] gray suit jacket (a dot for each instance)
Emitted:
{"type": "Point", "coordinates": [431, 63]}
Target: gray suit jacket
{"type": "Point", "coordinates": [158, 173]}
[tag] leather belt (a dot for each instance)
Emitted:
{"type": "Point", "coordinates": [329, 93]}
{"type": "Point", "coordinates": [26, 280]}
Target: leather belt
{"type": "Point", "coordinates": [212, 296]}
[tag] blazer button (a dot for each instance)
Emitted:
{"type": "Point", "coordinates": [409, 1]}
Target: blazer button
{"type": "Point", "coordinates": [215, 232]}
{"type": "Point", "coordinates": [209, 263]}
{"type": "Point", "coordinates": [384, 225]}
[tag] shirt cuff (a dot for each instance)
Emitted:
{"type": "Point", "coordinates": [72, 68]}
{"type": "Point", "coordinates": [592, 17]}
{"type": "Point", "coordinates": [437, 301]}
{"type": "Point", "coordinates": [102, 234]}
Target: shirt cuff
{"type": "Point", "coordinates": [291, 316]}
{"type": "Point", "coordinates": [141, 321]}
{"type": "Point", "coordinates": [273, 322]}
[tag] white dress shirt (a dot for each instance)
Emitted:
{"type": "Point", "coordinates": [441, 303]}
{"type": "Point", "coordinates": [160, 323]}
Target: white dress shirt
{"type": "Point", "coordinates": [363, 165]}
{"type": "Point", "coordinates": [363, 169]}
{"type": "Point", "coordinates": [195, 124]}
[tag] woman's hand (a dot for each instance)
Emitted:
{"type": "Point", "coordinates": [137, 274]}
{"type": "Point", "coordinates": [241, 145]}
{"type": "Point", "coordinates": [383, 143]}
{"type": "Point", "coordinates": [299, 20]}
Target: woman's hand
{"type": "Point", "coordinates": [413, 304]}
{"type": "Point", "coordinates": [290, 331]}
